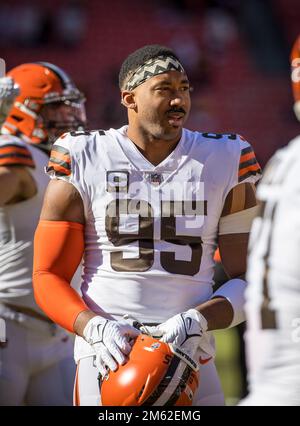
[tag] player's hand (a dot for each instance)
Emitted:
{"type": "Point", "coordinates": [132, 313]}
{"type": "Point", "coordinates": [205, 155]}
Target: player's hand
{"type": "Point", "coordinates": [186, 330]}
{"type": "Point", "coordinates": [111, 340]}
{"type": "Point", "coordinates": [8, 92]}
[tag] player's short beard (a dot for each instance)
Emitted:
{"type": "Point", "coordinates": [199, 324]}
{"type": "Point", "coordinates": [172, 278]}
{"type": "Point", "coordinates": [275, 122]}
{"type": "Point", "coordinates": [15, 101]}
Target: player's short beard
{"type": "Point", "coordinates": [160, 131]}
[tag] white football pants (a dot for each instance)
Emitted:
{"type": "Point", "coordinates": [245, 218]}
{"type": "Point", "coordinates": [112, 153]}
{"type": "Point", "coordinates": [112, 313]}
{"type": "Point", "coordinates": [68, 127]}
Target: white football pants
{"type": "Point", "coordinates": [36, 363]}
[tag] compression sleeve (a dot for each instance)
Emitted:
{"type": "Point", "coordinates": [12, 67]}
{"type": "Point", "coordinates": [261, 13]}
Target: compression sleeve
{"type": "Point", "coordinates": [58, 249]}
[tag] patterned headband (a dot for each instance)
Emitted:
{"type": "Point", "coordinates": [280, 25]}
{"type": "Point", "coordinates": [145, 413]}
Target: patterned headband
{"type": "Point", "coordinates": [159, 65]}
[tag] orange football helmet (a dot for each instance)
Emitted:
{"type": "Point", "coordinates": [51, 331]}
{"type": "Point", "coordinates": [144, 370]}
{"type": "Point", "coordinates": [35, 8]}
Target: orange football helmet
{"type": "Point", "coordinates": [156, 373]}
{"type": "Point", "coordinates": [48, 105]}
{"type": "Point", "coordinates": [295, 75]}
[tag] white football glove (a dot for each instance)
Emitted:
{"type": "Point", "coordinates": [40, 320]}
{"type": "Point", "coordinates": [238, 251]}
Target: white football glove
{"type": "Point", "coordinates": [111, 340]}
{"type": "Point", "coordinates": [186, 330]}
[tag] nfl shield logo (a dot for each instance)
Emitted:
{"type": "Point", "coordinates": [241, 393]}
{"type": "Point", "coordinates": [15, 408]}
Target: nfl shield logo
{"type": "Point", "coordinates": [155, 178]}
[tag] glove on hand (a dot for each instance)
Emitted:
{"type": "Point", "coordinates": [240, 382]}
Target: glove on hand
{"type": "Point", "coordinates": [186, 330]}
{"type": "Point", "coordinates": [111, 340]}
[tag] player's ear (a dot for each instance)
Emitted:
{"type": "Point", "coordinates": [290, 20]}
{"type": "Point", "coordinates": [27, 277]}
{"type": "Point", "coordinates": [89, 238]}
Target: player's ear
{"type": "Point", "coordinates": [128, 99]}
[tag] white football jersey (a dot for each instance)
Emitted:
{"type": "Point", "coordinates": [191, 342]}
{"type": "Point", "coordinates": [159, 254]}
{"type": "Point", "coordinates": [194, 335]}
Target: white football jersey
{"type": "Point", "coordinates": [150, 231]}
{"type": "Point", "coordinates": [273, 292]}
{"type": "Point", "coordinates": [18, 223]}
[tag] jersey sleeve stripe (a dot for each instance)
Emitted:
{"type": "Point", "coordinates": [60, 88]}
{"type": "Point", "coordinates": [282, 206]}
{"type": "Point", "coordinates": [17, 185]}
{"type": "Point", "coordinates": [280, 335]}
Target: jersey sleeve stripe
{"type": "Point", "coordinates": [251, 167]}
{"type": "Point", "coordinates": [251, 170]}
{"type": "Point", "coordinates": [248, 163]}
{"type": "Point", "coordinates": [59, 156]}
{"type": "Point", "coordinates": [61, 149]}
{"type": "Point", "coordinates": [246, 150]}
{"type": "Point", "coordinates": [15, 155]}
{"type": "Point", "coordinates": [247, 157]}
{"type": "Point", "coordinates": [13, 149]}
{"type": "Point", "coordinates": [59, 168]}
{"type": "Point", "coordinates": [60, 163]}
{"type": "Point", "coordinates": [16, 161]}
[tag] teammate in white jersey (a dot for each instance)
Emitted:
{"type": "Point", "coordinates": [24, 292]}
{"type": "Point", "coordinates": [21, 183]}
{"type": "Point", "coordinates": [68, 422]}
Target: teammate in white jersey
{"type": "Point", "coordinates": [36, 366]}
{"type": "Point", "coordinates": [147, 205]}
{"type": "Point", "coordinates": [273, 294]}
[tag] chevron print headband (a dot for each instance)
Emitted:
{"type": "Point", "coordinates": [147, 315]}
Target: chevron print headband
{"type": "Point", "coordinates": [159, 65]}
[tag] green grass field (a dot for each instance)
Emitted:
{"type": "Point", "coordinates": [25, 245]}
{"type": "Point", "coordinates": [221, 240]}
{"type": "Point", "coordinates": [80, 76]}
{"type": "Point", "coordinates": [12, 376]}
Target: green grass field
{"type": "Point", "coordinates": [227, 363]}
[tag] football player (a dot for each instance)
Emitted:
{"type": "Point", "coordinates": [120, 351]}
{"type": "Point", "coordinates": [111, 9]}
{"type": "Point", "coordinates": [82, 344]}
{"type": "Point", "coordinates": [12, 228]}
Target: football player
{"type": "Point", "coordinates": [273, 294]}
{"type": "Point", "coordinates": [146, 204]}
{"type": "Point", "coordinates": [36, 359]}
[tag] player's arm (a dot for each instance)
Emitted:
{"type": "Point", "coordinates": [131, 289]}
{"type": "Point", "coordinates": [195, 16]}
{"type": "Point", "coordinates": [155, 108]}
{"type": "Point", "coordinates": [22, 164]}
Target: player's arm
{"type": "Point", "coordinates": [9, 184]}
{"type": "Point", "coordinates": [239, 210]}
{"type": "Point", "coordinates": [16, 182]}
{"type": "Point", "coordinates": [58, 249]}
{"type": "Point", "coordinates": [226, 306]}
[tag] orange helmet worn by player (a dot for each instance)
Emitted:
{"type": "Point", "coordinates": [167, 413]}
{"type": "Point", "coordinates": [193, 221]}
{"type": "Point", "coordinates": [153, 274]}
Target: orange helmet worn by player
{"type": "Point", "coordinates": [49, 104]}
{"type": "Point", "coordinates": [157, 373]}
{"type": "Point", "coordinates": [295, 75]}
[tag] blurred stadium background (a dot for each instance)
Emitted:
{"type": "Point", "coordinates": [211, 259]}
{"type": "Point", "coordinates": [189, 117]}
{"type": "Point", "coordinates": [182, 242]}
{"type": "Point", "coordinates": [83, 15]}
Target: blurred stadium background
{"type": "Point", "coordinates": [235, 51]}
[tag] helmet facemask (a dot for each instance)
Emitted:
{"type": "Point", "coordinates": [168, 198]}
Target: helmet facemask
{"type": "Point", "coordinates": [61, 117]}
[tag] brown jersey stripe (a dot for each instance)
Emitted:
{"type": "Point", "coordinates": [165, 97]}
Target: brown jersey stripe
{"type": "Point", "coordinates": [251, 167]}
{"type": "Point", "coordinates": [59, 158]}
{"type": "Point", "coordinates": [50, 169]}
{"type": "Point", "coordinates": [17, 161]}
{"type": "Point", "coordinates": [246, 150]}
{"type": "Point", "coordinates": [61, 163]}
{"type": "Point", "coordinates": [11, 149]}
{"type": "Point", "coordinates": [61, 149]}
{"type": "Point", "coordinates": [247, 157]}
{"type": "Point", "coordinates": [248, 163]}
{"type": "Point", "coordinates": [58, 168]}
{"type": "Point", "coordinates": [15, 155]}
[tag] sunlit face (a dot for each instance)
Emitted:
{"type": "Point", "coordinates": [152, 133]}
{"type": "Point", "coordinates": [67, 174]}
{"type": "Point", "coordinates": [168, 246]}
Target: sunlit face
{"type": "Point", "coordinates": [163, 104]}
{"type": "Point", "coordinates": [61, 117]}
